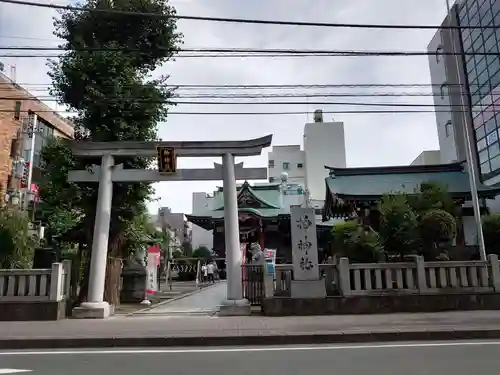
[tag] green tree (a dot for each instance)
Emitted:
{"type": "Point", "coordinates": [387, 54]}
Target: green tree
{"type": "Point", "coordinates": [432, 195]}
{"type": "Point", "coordinates": [202, 252]}
{"type": "Point", "coordinates": [351, 240]}
{"type": "Point", "coordinates": [491, 232]}
{"type": "Point", "coordinates": [114, 100]}
{"type": "Point", "coordinates": [437, 228]}
{"type": "Point", "coordinates": [17, 244]}
{"type": "Point", "coordinates": [398, 226]}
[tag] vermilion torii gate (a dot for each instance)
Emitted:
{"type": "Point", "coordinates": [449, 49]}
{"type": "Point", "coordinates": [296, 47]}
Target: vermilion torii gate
{"type": "Point", "coordinates": [108, 172]}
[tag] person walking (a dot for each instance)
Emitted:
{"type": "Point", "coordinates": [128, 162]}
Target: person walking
{"type": "Point", "coordinates": [210, 273]}
{"type": "Point", "coordinates": [204, 273]}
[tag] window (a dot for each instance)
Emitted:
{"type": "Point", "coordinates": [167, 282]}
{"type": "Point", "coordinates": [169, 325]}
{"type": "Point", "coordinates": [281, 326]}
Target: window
{"type": "Point", "coordinates": [271, 163]}
{"type": "Point", "coordinates": [481, 144]}
{"type": "Point", "coordinates": [439, 51]}
{"type": "Point", "coordinates": [300, 165]}
{"type": "Point", "coordinates": [286, 166]}
{"type": "Point", "coordinates": [442, 89]}
{"type": "Point", "coordinates": [447, 128]}
{"type": "Point", "coordinates": [495, 163]}
{"type": "Point", "coordinates": [17, 110]}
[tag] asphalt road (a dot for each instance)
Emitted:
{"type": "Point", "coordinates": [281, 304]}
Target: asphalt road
{"type": "Point", "coordinates": [457, 358]}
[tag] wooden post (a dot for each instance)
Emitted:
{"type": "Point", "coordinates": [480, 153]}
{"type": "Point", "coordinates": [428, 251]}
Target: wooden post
{"type": "Point", "coordinates": [344, 276]}
{"type": "Point", "coordinates": [56, 278]}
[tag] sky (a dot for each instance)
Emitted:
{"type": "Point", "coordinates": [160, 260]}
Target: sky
{"type": "Point", "coordinates": [371, 139]}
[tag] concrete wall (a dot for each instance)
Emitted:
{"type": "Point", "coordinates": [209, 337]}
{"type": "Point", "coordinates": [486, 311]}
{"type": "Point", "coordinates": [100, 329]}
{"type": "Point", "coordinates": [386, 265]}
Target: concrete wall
{"type": "Point", "coordinates": [324, 144]}
{"type": "Point", "coordinates": [289, 159]}
{"type": "Point", "coordinates": [430, 157]}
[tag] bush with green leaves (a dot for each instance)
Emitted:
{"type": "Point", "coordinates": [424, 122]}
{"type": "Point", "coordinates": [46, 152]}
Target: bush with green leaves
{"type": "Point", "coordinates": [398, 226]}
{"type": "Point", "coordinates": [437, 229]}
{"type": "Point", "coordinates": [202, 252]}
{"type": "Point", "coordinates": [17, 244]}
{"type": "Point", "coordinates": [491, 232]}
{"type": "Point", "coordinates": [351, 240]}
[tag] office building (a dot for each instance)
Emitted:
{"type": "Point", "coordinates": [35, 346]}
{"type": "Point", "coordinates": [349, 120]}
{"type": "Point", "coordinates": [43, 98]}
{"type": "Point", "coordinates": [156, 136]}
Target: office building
{"type": "Point", "coordinates": [474, 86]}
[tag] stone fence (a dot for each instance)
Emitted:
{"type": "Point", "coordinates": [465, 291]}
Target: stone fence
{"type": "Point", "coordinates": [35, 294]}
{"type": "Point", "coordinates": [415, 277]}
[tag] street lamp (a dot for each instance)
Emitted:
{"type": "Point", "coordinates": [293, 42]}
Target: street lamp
{"type": "Point", "coordinates": [468, 148]}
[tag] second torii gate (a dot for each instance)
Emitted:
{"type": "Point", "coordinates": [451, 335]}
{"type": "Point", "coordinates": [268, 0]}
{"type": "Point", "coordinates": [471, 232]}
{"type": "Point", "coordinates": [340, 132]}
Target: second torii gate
{"type": "Point", "coordinates": [108, 172]}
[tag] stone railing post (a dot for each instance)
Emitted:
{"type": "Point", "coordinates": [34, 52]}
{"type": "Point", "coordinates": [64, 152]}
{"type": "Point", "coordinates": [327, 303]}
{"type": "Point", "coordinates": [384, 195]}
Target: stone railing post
{"type": "Point", "coordinates": [495, 272]}
{"type": "Point", "coordinates": [56, 278]}
{"type": "Point", "coordinates": [66, 265]}
{"type": "Point", "coordinates": [421, 277]}
{"type": "Point", "coordinates": [344, 276]}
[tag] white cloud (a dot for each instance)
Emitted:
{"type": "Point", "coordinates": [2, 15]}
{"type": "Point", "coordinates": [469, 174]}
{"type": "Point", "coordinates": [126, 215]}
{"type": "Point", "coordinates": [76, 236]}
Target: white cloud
{"type": "Point", "coordinates": [371, 139]}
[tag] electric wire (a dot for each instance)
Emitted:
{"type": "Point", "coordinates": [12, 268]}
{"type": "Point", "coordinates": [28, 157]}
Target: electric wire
{"type": "Point", "coordinates": [242, 20]}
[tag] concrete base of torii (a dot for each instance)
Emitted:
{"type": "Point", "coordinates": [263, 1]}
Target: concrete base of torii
{"type": "Point", "coordinates": [235, 307]}
{"type": "Point", "coordinates": [93, 310]}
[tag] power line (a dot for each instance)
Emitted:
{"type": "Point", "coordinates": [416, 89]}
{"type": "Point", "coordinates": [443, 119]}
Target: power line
{"type": "Point", "coordinates": [242, 20]}
{"type": "Point", "coordinates": [273, 113]}
{"type": "Point", "coordinates": [144, 100]}
{"type": "Point", "coordinates": [284, 96]}
{"type": "Point", "coordinates": [344, 53]}
{"type": "Point", "coordinates": [277, 86]}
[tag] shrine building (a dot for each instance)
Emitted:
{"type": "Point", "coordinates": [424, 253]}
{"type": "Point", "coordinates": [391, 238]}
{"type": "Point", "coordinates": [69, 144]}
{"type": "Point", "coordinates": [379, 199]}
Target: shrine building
{"type": "Point", "coordinates": [264, 217]}
{"type": "Point", "coordinates": [354, 192]}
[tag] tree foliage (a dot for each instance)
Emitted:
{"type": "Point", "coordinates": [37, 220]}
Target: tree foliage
{"type": "Point", "coordinates": [491, 232]}
{"type": "Point", "coordinates": [437, 227]}
{"type": "Point", "coordinates": [398, 225]}
{"type": "Point", "coordinates": [432, 196]}
{"type": "Point", "coordinates": [17, 244]}
{"type": "Point", "coordinates": [114, 100]}
{"type": "Point", "coordinates": [202, 252]}
{"type": "Point", "coordinates": [351, 240]}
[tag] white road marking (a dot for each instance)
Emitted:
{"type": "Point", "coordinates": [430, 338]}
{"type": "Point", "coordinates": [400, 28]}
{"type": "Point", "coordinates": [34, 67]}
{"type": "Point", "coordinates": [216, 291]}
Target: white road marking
{"type": "Point", "coordinates": [12, 371]}
{"type": "Point", "coordinates": [253, 349]}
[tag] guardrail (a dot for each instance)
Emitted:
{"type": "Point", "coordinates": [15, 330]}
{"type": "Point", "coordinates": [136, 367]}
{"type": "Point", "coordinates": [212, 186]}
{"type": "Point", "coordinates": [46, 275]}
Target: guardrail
{"type": "Point", "coordinates": [34, 285]}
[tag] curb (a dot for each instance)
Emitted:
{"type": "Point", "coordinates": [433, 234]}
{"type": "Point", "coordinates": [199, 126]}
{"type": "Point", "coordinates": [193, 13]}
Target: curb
{"type": "Point", "coordinates": [168, 301]}
{"type": "Point", "coordinates": [254, 340]}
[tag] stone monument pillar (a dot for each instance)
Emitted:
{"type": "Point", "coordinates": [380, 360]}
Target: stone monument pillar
{"type": "Point", "coordinates": [306, 277]}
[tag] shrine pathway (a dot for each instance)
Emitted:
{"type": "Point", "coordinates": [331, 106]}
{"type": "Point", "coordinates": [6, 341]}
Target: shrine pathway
{"type": "Point", "coordinates": [205, 302]}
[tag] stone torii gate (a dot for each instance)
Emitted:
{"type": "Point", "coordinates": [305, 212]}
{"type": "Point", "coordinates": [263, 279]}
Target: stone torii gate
{"type": "Point", "coordinates": [108, 172]}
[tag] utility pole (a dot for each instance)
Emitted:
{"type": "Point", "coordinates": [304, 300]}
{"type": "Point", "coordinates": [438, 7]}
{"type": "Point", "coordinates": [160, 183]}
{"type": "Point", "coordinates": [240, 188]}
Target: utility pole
{"type": "Point", "coordinates": [31, 131]}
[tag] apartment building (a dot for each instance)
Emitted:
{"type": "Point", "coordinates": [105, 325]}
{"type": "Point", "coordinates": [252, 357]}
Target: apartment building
{"type": "Point", "coordinates": [18, 108]}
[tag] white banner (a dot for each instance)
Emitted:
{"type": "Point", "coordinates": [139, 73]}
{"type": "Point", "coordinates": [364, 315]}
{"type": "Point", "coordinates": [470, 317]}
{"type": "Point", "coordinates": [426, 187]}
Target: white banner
{"type": "Point", "coordinates": [152, 269]}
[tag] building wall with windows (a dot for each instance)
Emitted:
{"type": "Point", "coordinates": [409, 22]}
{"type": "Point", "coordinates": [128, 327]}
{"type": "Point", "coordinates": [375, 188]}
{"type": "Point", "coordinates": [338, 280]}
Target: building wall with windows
{"type": "Point", "coordinates": [483, 79]}
{"type": "Point", "coordinates": [289, 159]}
{"type": "Point", "coordinates": [324, 144]}
{"type": "Point", "coordinates": [13, 116]}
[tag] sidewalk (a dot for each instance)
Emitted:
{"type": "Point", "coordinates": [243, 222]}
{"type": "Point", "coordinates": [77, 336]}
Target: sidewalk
{"type": "Point", "coordinates": [202, 302]}
{"type": "Point", "coordinates": [204, 331]}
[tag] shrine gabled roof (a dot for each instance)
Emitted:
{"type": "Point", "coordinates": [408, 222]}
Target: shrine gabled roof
{"type": "Point", "coordinates": [266, 196]}
{"type": "Point", "coordinates": [365, 184]}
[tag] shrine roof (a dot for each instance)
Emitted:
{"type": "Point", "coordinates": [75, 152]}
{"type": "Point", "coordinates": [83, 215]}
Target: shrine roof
{"type": "Point", "coordinates": [265, 196]}
{"type": "Point", "coordinates": [365, 184]}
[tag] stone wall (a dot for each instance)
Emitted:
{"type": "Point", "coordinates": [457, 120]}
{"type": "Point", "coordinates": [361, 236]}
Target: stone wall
{"type": "Point", "coordinates": [35, 311]}
{"type": "Point", "coordinates": [284, 306]}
